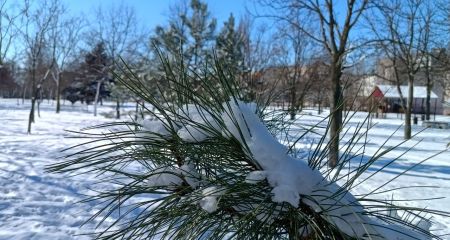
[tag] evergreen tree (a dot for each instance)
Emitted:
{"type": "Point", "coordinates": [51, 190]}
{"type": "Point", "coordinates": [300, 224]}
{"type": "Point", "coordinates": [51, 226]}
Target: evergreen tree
{"type": "Point", "coordinates": [92, 78]}
{"type": "Point", "coordinates": [229, 47]}
{"type": "Point", "coordinates": [171, 41]}
{"type": "Point", "coordinates": [202, 32]}
{"type": "Point", "coordinates": [190, 35]}
{"type": "Point", "coordinates": [96, 61]}
{"type": "Point", "coordinates": [118, 28]}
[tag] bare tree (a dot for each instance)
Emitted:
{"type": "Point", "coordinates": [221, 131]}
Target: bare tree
{"type": "Point", "coordinates": [436, 49]}
{"type": "Point", "coordinates": [297, 49]}
{"type": "Point", "coordinates": [317, 75]}
{"type": "Point", "coordinates": [401, 31]}
{"type": "Point", "coordinates": [37, 22]}
{"type": "Point", "coordinates": [433, 56]}
{"type": "Point", "coordinates": [63, 38]}
{"type": "Point", "coordinates": [118, 29]}
{"type": "Point", "coordinates": [8, 28]}
{"type": "Point", "coordinates": [334, 36]}
{"type": "Point", "coordinates": [258, 55]}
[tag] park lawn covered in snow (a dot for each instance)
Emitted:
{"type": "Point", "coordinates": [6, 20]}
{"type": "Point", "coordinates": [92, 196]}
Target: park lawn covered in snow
{"type": "Point", "coordinates": [38, 205]}
{"type": "Point", "coordinates": [35, 204]}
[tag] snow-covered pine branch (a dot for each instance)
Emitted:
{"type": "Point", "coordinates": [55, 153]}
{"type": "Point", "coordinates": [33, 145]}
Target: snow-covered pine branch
{"type": "Point", "coordinates": [291, 180]}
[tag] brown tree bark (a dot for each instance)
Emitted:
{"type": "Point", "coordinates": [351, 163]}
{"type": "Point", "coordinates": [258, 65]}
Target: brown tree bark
{"type": "Point", "coordinates": [118, 108]}
{"type": "Point", "coordinates": [58, 93]}
{"type": "Point", "coordinates": [33, 97]}
{"type": "Point", "coordinates": [409, 106]}
{"type": "Point", "coordinates": [428, 102]}
{"type": "Point", "coordinates": [335, 114]}
{"type": "Point", "coordinates": [97, 93]}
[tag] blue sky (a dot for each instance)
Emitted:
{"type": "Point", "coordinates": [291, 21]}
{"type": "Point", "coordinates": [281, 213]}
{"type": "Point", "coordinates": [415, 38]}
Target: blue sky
{"type": "Point", "coordinates": [155, 12]}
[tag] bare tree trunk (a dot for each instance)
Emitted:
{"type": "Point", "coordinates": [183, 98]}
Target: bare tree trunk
{"type": "Point", "coordinates": [319, 101]}
{"type": "Point", "coordinates": [39, 102]}
{"type": "Point", "coordinates": [428, 99]}
{"type": "Point", "coordinates": [24, 93]}
{"type": "Point", "coordinates": [143, 108]}
{"type": "Point", "coordinates": [409, 106]}
{"type": "Point", "coordinates": [293, 107]}
{"type": "Point", "coordinates": [428, 103]}
{"type": "Point", "coordinates": [31, 116]}
{"type": "Point", "coordinates": [58, 93]}
{"type": "Point", "coordinates": [33, 97]}
{"type": "Point", "coordinates": [136, 114]}
{"type": "Point", "coordinates": [118, 108]}
{"type": "Point", "coordinates": [335, 115]}
{"type": "Point", "coordinates": [137, 111]}
{"type": "Point", "coordinates": [319, 110]}
{"type": "Point", "coordinates": [97, 93]}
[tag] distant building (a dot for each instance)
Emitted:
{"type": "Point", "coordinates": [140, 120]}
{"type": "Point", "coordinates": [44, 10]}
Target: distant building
{"type": "Point", "coordinates": [387, 99]}
{"type": "Point", "coordinates": [440, 73]}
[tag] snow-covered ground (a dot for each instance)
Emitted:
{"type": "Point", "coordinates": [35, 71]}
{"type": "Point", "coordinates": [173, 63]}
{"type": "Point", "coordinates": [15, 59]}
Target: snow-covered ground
{"type": "Point", "coordinates": [38, 205]}
{"type": "Point", "coordinates": [35, 204]}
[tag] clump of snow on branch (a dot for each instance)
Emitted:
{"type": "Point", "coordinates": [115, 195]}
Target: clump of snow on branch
{"type": "Point", "coordinates": [255, 177]}
{"type": "Point", "coordinates": [168, 176]}
{"type": "Point", "coordinates": [190, 174]}
{"type": "Point", "coordinates": [164, 177]}
{"type": "Point", "coordinates": [153, 128]}
{"type": "Point", "coordinates": [210, 200]}
{"type": "Point", "coordinates": [195, 121]}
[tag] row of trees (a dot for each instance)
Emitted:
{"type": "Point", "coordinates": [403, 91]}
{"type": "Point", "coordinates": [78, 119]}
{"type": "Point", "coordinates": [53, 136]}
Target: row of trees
{"type": "Point", "coordinates": [408, 33]}
{"type": "Point", "coordinates": [49, 53]}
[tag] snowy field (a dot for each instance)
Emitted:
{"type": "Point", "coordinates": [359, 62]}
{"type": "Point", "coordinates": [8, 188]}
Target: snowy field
{"type": "Point", "coordinates": [38, 205]}
{"type": "Point", "coordinates": [35, 204]}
